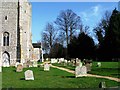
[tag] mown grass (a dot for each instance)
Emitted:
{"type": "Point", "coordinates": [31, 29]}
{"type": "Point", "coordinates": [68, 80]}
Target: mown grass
{"type": "Point", "coordinates": [65, 66]}
{"type": "Point", "coordinates": [107, 68]}
{"type": "Point", "coordinates": [55, 78]}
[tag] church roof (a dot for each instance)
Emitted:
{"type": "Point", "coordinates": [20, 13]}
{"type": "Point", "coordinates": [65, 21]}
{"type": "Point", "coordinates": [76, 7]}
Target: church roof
{"type": "Point", "coordinates": [36, 45]}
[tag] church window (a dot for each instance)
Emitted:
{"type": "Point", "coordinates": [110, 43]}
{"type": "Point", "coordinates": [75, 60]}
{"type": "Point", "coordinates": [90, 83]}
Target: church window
{"type": "Point", "coordinates": [5, 39]}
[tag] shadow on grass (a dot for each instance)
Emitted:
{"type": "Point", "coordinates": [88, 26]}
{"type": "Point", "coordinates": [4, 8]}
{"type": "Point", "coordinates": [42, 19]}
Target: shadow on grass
{"type": "Point", "coordinates": [41, 70]}
{"type": "Point", "coordinates": [105, 69]}
{"type": "Point", "coordinates": [14, 70]}
{"type": "Point", "coordinates": [22, 78]}
{"type": "Point", "coordinates": [67, 76]}
{"type": "Point", "coordinates": [118, 75]}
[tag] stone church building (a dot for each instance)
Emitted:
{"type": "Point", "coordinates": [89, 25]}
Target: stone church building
{"type": "Point", "coordinates": [15, 33]}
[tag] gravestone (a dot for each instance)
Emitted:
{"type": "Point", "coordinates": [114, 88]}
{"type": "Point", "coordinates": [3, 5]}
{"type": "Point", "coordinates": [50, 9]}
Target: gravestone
{"type": "Point", "coordinates": [46, 67]}
{"type": "Point", "coordinates": [102, 85]}
{"type": "Point", "coordinates": [73, 63]}
{"type": "Point", "coordinates": [88, 66]}
{"type": "Point", "coordinates": [77, 71]}
{"type": "Point", "coordinates": [83, 70]}
{"type": "Point", "coordinates": [60, 60]}
{"type": "Point", "coordinates": [29, 75]}
{"type": "Point", "coordinates": [47, 59]}
{"type": "Point", "coordinates": [25, 65]}
{"type": "Point", "coordinates": [34, 63]}
{"type": "Point", "coordinates": [80, 71]}
{"type": "Point", "coordinates": [53, 60]}
{"type": "Point", "coordinates": [99, 64]}
{"type": "Point", "coordinates": [80, 64]}
{"type": "Point", "coordinates": [19, 68]}
{"type": "Point", "coordinates": [16, 64]}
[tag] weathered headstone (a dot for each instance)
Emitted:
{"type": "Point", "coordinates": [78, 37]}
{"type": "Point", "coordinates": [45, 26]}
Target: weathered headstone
{"type": "Point", "coordinates": [25, 65]}
{"type": "Point", "coordinates": [99, 64]}
{"type": "Point", "coordinates": [34, 63]}
{"type": "Point", "coordinates": [73, 63]}
{"type": "Point", "coordinates": [102, 85]}
{"type": "Point", "coordinates": [16, 64]}
{"type": "Point", "coordinates": [53, 60]}
{"type": "Point", "coordinates": [46, 67]}
{"type": "Point", "coordinates": [29, 75]}
{"type": "Point", "coordinates": [80, 64]}
{"type": "Point", "coordinates": [19, 68]}
{"type": "Point", "coordinates": [60, 60]}
{"type": "Point", "coordinates": [80, 71]}
{"type": "Point", "coordinates": [77, 71]}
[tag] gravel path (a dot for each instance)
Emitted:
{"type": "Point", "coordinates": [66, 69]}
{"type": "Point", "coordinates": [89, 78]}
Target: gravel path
{"type": "Point", "coordinates": [89, 75]}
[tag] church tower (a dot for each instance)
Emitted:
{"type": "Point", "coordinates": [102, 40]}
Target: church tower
{"type": "Point", "coordinates": [15, 34]}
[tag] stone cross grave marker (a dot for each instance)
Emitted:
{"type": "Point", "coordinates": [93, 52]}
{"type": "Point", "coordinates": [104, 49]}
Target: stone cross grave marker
{"type": "Point", "coordinates": [29, 75]}
{"type": "Point", "coordinates": [80, 71]}
{"type": "Point", "coordinates": [19, 68]}
{"type": "Point", "coordinates": [46, 67]}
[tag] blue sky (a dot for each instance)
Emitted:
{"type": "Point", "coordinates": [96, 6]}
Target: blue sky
{"type": "Point", "coordinates": [90, 13]}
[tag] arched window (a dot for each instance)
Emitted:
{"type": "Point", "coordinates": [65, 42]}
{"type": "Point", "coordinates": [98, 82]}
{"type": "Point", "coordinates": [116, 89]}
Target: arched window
{"type": "Point", "coordinates": [5, 39]}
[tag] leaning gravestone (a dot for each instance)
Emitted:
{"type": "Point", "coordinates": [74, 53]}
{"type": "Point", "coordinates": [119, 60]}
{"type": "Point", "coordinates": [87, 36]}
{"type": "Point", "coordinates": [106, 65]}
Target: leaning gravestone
{"type": "Point", "coordinates": [80, 71]}
{"type": "Point", "coordinates": [46, 67]}
{"type": "Point", "coordinates": [29, 75]}
{"type": "Point", "coordinates": [19, 68]}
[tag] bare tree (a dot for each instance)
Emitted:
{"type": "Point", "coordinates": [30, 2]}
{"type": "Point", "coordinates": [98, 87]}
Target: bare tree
{"type": "Point", "coordinates": [49, 36]}
{"type": "Point", "coordinates": [100, 30]}
{"type": "Point", "coordinates": [68, 22]}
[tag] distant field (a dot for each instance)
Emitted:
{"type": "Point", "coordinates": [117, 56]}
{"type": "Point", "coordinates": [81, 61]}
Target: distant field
{"type": "Point", "coordinates": [107, 68]}
{"type": "Point", "coordinates": [55, 78]}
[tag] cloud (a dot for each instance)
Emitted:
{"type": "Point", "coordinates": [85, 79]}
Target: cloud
{"type": "Point", "coordinates": [92, 15]}
{"type": "Point", "coordinates": [96, 10]}
{"type": "Point", "coordinates": [84, 16]}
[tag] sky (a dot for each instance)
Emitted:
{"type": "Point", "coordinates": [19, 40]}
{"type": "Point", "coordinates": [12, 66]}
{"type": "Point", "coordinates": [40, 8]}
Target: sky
{"type": "Point", "coordinates": [90, 13]}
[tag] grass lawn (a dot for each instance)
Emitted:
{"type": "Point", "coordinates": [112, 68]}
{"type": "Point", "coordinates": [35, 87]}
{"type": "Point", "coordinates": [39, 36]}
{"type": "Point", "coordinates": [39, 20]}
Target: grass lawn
{"type": "Point", "coordinates": [107, 68]}
{"type": "Point", "coordinates": [65, 66]}
{"type": "Point", "coordinates": [55, 78]}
